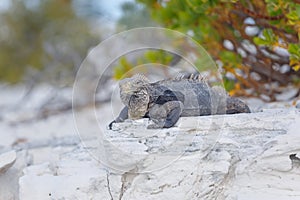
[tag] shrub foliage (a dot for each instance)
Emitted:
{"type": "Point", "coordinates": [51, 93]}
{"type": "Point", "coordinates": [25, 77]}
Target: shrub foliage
{"type": "Point", "coordinates": [257, 42]}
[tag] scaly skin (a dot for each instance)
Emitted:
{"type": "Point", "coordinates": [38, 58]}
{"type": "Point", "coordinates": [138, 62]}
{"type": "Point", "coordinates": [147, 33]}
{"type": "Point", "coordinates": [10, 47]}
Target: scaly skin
{"type": "Point", "coordinates": [167, 100]}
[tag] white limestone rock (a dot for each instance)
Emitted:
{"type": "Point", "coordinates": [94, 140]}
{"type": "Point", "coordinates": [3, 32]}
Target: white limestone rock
{"type": "Point", "coordinates": [7, 160]}
{"type": "Point", "coordinates": [76, 176]}
{"type": "Point", "coordinates": [243, 157]}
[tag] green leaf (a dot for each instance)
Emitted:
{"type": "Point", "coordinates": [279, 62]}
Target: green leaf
{"type": "Point", "coordinates": [228, 84]}
{"type": "Point", "coordinates": [260, 41]}
{"type": "Point", "coordinates": [293, 17]}
{"type": "Point", "coordinates": [269, 35]}
{"type": "Point", "coordinates": [268, 39]}
{"type": "Point", "coordinates": [294, 50]}
{"type": "Point", "coordinates": [230, 57]}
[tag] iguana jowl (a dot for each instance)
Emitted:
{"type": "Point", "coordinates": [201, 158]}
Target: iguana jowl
{"type": "Point", "coordinates": [167, 100]}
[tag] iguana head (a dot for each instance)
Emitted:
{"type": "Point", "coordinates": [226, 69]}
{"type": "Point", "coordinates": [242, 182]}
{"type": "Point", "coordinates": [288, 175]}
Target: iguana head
{"type": "Point", "coordinates": [134, 94]}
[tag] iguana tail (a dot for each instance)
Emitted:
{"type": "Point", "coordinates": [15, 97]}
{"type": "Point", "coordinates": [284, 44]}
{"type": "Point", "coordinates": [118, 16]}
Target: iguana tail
{"type": "Point", "coordinates": [234, 105]}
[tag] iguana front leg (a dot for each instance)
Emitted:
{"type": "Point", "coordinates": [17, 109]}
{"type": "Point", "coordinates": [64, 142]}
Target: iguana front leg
{"type": "Point", "coordinates": [165, 115]}
{"type": "Point", "coordinates": [122, 116]}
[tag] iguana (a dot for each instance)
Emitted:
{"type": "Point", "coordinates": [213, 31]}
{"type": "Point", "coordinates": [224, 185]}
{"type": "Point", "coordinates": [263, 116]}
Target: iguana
{"type": "Point", "coordinates": [167, 100]}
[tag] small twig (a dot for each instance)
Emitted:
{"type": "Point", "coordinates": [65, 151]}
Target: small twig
{"type": "Point", "coordinates": [108, 186]}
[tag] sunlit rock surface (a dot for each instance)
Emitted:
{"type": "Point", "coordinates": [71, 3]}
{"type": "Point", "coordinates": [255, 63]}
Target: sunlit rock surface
{"type": "Point", "coordinates": [66, 155]}
{"type": "Point", "coordinates": [243, 156]}
{"type": "Point", "coordinates": [7, 159]}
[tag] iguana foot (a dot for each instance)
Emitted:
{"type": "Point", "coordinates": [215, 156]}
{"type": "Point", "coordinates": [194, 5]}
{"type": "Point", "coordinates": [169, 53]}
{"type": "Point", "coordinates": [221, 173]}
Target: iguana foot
{"type": "Point", "coordinates": [109, 127]}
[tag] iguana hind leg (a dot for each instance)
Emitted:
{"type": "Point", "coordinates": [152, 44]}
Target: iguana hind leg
{"type": "Point", "coordinates": [165, 115]}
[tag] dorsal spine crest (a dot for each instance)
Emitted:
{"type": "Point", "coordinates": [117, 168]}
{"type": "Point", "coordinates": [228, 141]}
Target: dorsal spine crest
{"type": "Point", "coordinates": [190, 77]}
